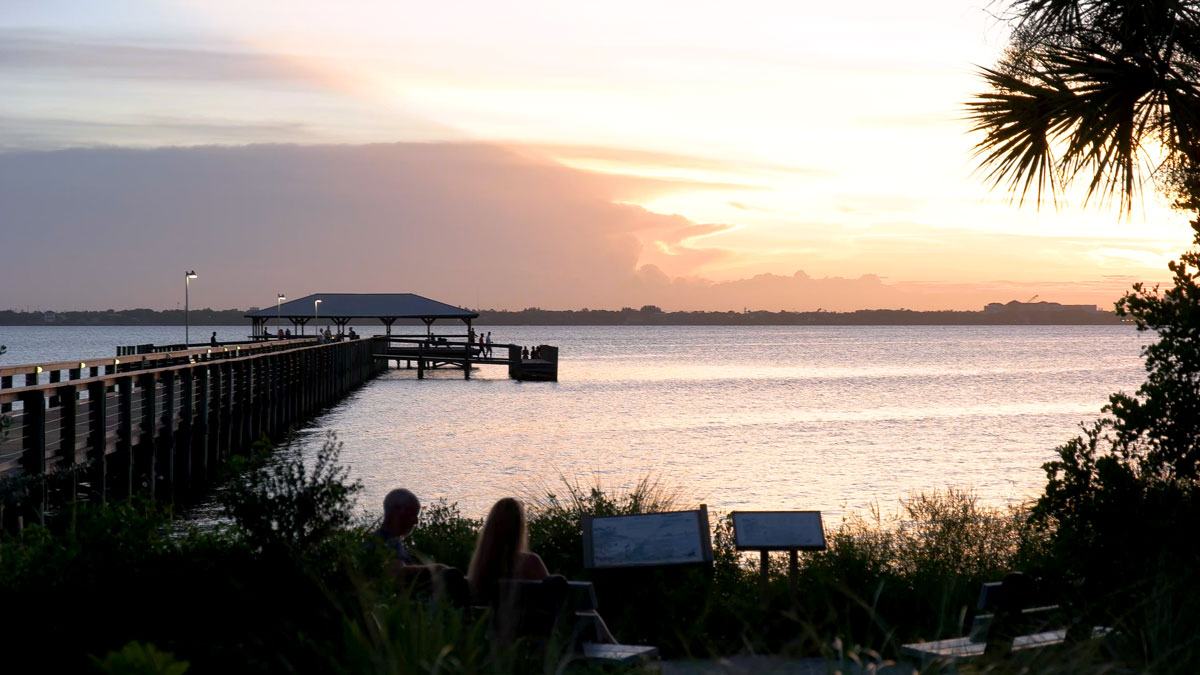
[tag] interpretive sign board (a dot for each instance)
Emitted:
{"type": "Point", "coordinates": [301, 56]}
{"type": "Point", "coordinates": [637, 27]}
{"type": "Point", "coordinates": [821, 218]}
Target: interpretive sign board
{"type": "Point", "coordinates": [778, 531]}
{"type": "Point", "coordinates": [651, 539]}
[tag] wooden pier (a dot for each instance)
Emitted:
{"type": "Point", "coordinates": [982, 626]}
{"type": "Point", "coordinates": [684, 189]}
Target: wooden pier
{"type": "Point", "coordinates": [158, 424]}
{"type": "Point", "coordinates": [159, 420]}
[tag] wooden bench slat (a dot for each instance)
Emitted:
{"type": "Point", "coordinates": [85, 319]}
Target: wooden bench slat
{"type": "Point", "coordinates": [618, 653]}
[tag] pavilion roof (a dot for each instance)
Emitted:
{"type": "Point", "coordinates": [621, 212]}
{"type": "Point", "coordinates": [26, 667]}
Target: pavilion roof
{"type": "Point", "coordinates": [365, 306]}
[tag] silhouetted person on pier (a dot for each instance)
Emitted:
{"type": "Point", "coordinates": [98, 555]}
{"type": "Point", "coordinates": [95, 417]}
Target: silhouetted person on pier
{"type": "Point", "coordinates": [524, 353]}
{"type": "Point", "coordinates": [489, 344]}
{"type": "Point", "coordinates": [353, 335]}
{"type": "Point", "coordinates": [212, 341]}
{"type": "Point", "coordinates": [280, 334]}
{"type": "Point", "coordinates": [288, 333]}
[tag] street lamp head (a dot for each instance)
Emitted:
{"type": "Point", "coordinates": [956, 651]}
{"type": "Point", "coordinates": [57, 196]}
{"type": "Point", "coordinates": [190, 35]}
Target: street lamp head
{"type": "Point", "coordinates": [281, 298]}
{"type": "Point", "coordinates": [317, 302]}
{"type": "Point", "coordinates": [191, 274]}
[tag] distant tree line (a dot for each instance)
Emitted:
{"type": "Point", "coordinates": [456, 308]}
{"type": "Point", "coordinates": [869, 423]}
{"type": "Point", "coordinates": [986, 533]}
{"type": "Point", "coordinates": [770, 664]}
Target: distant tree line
{"type": "Point", "coordinates": [651, 315]}
{"type": "Point", "coordinates": [124, 317]}
{"type": "Point", "coordinates": [648, 315]}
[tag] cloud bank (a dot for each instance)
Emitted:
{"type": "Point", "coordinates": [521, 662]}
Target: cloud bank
{"type": "Point", "coordinates": [471, 224]}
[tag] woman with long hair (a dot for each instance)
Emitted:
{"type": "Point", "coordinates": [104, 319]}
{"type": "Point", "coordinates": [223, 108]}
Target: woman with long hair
{"type": "Point", "coordinates": [503, 551]}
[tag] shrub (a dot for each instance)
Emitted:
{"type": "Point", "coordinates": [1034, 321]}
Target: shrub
{"type": "Point", "coordinates": [444, 535]}
{"type": "Point", "coordinates": [1121, 495]}
{"type": "Point", "coordinates": [281, 499]}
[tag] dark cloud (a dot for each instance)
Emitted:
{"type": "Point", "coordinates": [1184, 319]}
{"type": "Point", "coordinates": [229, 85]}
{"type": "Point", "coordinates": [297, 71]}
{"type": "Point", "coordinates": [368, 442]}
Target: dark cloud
{"type": "Point", "coordinates": [469, 224]}
{"type": "Point", "coordinates": [461, 222]}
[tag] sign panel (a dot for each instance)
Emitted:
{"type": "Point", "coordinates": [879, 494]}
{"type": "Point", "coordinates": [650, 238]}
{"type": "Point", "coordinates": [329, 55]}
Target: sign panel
{"type": "Point", "coordinates": [677, 538]}
{"type": "Point", "coordinates": [778, 531]}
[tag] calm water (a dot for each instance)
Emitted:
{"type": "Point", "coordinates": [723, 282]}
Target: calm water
{"type": "Point", "coordinates": [829, 418]}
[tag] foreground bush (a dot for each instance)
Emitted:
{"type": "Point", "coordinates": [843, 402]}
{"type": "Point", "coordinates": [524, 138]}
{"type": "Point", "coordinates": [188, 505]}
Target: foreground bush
{"type": "Point", "coordinates": [290, 586]}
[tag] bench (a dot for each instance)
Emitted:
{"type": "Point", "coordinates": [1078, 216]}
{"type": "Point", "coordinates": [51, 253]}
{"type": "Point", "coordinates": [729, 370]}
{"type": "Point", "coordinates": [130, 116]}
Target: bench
{"type": "Point", "coordinates": [556, 609]}
{"type": "Point", "coordinates": [1006, 623]}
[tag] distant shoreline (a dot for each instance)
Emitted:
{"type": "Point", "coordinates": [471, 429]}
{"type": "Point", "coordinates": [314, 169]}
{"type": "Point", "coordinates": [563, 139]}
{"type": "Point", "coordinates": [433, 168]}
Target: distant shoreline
{"type": "Point", "coordinates": [1012, 314]}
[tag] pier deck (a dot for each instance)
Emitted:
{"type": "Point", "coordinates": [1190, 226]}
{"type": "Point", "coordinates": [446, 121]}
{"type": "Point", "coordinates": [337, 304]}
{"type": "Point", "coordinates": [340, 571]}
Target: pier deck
{"type": "Point", "coordinates": [158, 424]}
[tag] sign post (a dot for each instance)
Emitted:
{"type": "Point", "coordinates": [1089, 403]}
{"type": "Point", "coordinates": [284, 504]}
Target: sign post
{"type": "Point", "coordinates": [766, 531]}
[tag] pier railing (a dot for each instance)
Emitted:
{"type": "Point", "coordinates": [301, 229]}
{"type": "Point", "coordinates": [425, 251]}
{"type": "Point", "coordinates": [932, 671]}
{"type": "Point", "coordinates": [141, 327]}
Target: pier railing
{"type": "Point", "coordinates": [37, 373]}
{"type": "Point", "coordinates": [160, 424]}
{"type": "Point", "coordinates": [130, 350]}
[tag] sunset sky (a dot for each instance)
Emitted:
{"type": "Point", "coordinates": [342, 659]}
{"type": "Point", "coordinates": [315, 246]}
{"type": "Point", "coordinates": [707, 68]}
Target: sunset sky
{"type": "Point", "coordinates": [675, 152]}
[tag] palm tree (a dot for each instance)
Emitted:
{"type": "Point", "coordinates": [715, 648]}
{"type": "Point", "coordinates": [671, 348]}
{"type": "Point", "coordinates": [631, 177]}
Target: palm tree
{"type": "Point", "coordinates": [1104, 91]}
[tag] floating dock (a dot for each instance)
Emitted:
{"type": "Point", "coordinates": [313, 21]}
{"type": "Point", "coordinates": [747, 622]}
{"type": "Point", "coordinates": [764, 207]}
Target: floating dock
{"type": "Point", "coordinates": [426, 354]}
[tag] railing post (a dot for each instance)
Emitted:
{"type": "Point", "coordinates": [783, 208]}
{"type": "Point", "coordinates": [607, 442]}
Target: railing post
{"type": "Point", "coordinates": [144, 452]}
{"type": "Point", "coordinates": [218, 420]}
{"type": "Point", "coordinates": [182, 476]}
{"type": "Point", "coordinates": [242, 372]}
{"type": "Point", "coordinates": [124, 455]}
{"type": "Point", "coordinates": [165, 447]}
{"type": "Point", "coordinates": [68, 421]}
{"type": "Point", "coordinates": [227, 412]}
{"type": "Point", "coordinates": [198, 450]}
{"type": "Point", "coordinates": [98, 438]}
{"type": "Point", "coordinates": [33, 459]}
{"type": "Point", "coordinates": [6, 383]}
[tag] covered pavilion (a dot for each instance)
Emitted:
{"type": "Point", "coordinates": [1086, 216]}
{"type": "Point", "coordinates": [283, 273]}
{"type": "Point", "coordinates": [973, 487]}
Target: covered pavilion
{"type": "Point", "coordinates": [342, 308]}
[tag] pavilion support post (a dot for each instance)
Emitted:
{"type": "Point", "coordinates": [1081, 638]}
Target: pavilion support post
{"type": "Point", "coordinates": [467, 353]}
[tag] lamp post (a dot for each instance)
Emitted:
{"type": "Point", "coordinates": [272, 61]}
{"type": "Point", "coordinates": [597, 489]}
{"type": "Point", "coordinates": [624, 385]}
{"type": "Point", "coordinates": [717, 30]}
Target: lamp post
{"type": "Point", "coordinates": [187, 324]}
{"type": "Point", "coordinates": [316, 316]}
{"type": "Point", "coordinates": [278, 301]}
